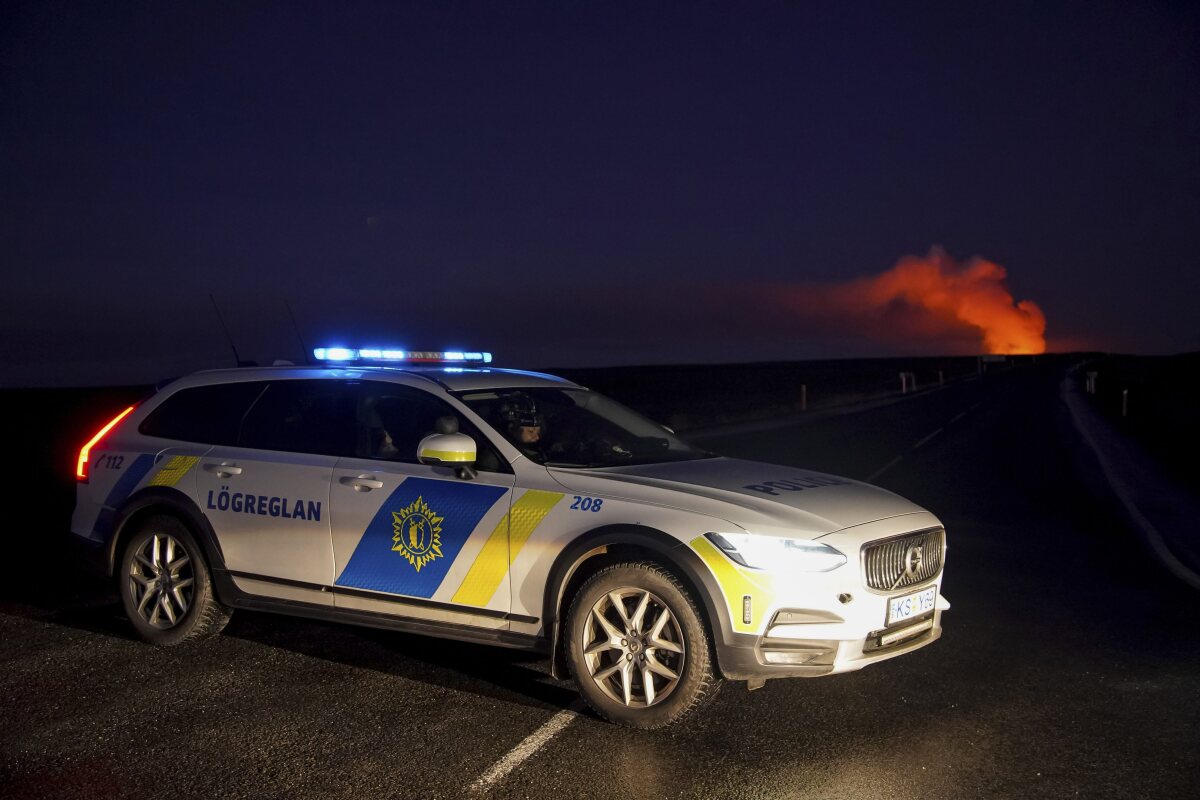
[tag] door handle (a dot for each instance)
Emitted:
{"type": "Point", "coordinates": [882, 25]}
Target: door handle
{"type": "Point", "coordinates": [224, 470]}
{"type": "Point", "coordinates": [362, 483]}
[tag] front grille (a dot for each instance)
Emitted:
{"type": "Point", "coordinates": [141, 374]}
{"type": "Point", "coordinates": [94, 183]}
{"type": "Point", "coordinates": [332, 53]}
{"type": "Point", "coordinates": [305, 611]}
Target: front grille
{"type": "Point", "coordinates": [902, 561]}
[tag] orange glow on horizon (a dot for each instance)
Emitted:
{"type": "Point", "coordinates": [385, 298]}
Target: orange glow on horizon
{"type": "Point", "coordinates": [932, 297]}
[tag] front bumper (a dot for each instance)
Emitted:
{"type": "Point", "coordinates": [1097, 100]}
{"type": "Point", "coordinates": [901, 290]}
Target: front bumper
{"type": "Point", "coordinates": [778, 625]}
{"type": "Point", "coordinates": [748, 657]}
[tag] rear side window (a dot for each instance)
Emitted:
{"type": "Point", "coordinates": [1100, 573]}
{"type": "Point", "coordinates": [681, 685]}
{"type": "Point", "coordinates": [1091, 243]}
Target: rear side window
{"type": "Point", "coordinates": [204, 414]}
{"type": "Point", "coordinates": [302, 416]}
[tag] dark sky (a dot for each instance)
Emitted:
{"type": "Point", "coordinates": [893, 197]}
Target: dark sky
{"type": "Point", "coordinates": [582, 184]}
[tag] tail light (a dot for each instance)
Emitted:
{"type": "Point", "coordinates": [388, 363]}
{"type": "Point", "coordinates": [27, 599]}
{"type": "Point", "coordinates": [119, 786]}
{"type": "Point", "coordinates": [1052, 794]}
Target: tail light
{"type": "Point", "coordinates": [81, 468]}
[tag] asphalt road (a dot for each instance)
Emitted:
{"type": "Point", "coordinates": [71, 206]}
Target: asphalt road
{"type": "Point", "coordinates": [1069, 665]}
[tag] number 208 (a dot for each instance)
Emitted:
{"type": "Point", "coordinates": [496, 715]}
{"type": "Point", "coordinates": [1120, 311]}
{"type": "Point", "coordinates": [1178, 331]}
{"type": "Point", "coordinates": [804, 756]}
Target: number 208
{"type": "Point", "coordinates": [587, 503]}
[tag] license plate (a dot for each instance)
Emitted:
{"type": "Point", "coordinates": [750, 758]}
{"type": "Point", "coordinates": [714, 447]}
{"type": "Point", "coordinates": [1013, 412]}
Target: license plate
{"type": "Point", "coordinates": [911, 605]}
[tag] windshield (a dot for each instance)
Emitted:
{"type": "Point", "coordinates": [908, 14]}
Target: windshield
{"type": "Point", "coordinates": [576, 428]}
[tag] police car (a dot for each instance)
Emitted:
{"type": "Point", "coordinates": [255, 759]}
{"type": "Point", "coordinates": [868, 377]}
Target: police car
{"type": "Point", "coordinates": [436, 494]}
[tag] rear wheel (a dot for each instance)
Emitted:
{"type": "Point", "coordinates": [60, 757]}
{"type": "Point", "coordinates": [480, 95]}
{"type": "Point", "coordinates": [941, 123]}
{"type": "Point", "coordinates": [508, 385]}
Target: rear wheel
{"type": "Point", "coordinates": [165, 585]}
{"type": "Point", "coordinates": [637, 646]}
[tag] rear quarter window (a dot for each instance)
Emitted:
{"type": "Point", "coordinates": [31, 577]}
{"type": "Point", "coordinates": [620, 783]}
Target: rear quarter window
{"type": "Point", "coordinates": [203, 414]}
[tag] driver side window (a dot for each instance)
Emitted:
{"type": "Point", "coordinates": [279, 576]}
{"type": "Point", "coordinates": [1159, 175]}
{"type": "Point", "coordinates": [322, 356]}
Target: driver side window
{"type": "Point", "coordinates": [391, 421]}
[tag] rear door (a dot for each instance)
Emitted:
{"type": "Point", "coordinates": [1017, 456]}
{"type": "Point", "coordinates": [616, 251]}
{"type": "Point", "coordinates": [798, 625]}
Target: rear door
{"type": "Point", "coordinates": [415, 540]}
{"type": "Point", "coordinates": [268, 496]}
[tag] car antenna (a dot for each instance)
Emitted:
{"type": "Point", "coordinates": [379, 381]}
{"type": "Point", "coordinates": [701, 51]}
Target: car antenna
{"type": "Point", "coordinates": [237, 359]}
{"type": "Point", "coordinates": [303, 347]}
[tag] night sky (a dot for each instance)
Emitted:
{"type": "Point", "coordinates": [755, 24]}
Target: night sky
{"type": "Point", "coordinates": [570, 184]}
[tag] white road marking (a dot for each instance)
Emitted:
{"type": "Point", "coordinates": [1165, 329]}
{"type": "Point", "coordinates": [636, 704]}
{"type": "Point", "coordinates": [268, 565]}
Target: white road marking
{"type": "Point", "coordinates": [898, 459]}
{"type": "Point", "coordinates": [927, 438]}
{"type": "Point", "coordinates": [528, 746]}
{"type": "Point", "coordinates": [884, 468]}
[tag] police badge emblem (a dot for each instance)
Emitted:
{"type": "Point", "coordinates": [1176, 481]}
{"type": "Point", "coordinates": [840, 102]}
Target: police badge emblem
{"type": "Point", "coordinates": [417, 533]}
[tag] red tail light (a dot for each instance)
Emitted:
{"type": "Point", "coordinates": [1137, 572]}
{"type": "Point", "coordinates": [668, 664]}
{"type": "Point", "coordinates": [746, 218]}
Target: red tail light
{"type": "Point", "coordinates": [81, 468]}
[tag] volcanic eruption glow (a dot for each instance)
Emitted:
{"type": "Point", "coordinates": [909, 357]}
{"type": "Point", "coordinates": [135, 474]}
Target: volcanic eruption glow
{"type": "Point", "coordinates": [931, 297]}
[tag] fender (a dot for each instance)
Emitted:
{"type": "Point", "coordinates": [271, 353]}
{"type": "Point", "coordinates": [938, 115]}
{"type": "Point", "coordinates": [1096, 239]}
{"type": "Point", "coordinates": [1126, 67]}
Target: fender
{"type": "Point", "coordinates": [171, 501]}
{"type": "Point", "coordinates": [673, 553]}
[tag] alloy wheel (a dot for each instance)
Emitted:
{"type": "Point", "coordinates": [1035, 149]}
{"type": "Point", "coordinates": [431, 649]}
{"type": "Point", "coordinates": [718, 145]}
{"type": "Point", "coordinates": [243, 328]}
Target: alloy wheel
{"type": "Point", "coordinates": [633, 647]}
{"type": "Point", "coordinates": [161, 581]}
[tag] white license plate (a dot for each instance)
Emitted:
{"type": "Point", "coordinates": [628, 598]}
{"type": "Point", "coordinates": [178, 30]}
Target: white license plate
{"type": "Point", "coordinates": [911, 605]}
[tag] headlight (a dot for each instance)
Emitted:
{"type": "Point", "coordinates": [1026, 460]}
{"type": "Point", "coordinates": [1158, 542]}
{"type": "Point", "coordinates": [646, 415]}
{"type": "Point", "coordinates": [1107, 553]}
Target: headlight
{"type": "Point", "coordinates": [773, 552]}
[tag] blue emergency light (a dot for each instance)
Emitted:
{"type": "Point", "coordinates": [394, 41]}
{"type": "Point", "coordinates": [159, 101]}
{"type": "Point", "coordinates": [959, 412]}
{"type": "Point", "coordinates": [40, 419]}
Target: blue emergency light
{"type": "Point", "coordinates": [384, 355]}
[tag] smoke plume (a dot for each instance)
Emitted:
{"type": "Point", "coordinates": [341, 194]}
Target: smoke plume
{"type": "Point", "coordinates": [931, 297]}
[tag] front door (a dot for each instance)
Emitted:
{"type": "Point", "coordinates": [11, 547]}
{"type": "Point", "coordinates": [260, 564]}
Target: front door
{"type": "Point", "coordinates": [414, 540]}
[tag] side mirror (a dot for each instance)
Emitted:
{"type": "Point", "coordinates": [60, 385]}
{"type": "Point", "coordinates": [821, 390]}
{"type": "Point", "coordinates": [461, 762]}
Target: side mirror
{"type": "Point", "coordinates": [449, 450]}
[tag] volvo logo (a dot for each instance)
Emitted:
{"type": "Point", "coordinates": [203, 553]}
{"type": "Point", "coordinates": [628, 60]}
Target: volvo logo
{"type": "Point", "coordinates": [913, 560]}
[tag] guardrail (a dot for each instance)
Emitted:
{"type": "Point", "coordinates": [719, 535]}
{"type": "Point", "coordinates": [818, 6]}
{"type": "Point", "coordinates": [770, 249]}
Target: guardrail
{"type": "Point", "coordinates": [687, 397]}
{"type": "Point", "coordinates": [1153, 399]}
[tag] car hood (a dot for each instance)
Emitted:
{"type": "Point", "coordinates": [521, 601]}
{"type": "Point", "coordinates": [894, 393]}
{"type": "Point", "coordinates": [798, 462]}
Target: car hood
{"type": "Point", "coordinates": [749, 494]}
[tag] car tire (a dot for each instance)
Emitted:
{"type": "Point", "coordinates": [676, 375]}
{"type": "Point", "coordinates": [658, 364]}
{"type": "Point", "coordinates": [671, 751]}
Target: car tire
{"type": "Point", "coordinates": [638, 647]}
{"type": "Point", "coordinates": [165, 585]}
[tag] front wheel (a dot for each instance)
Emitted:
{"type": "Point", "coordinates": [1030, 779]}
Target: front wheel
{"type": "Point", "coordinates": [165, 585]}
{"type": "Point", "coordinates": [637, 646]}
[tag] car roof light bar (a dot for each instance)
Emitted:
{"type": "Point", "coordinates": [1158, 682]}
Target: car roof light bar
{"type": "Point", "coordinates": [387, 355]}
